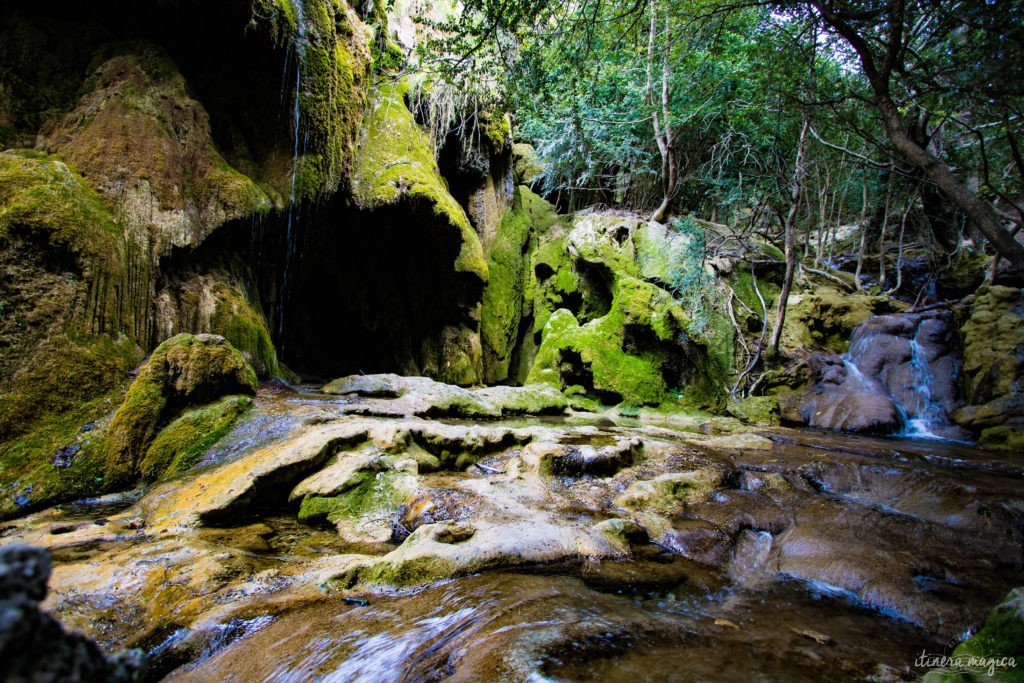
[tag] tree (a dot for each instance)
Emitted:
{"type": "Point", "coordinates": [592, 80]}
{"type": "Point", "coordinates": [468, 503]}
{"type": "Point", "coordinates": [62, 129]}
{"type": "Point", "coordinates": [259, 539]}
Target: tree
{"type": "Point", "coordinates": [882, 34]}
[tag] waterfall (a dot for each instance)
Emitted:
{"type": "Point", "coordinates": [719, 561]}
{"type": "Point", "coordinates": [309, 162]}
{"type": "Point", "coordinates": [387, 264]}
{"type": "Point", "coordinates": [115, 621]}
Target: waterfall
{"type": "Point", "coordinates": [921, 412]}
{"type": "Point", "coordinates": [294, 209]}
{"type": "Point", "coordinates": [890, 354]}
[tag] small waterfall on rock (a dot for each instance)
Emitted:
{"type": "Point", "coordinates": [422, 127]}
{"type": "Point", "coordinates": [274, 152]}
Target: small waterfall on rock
{"type": "Point", "coordinates": [911, 357]}
{"type": "Point", "coordinates": [922, 413]}
{"type": "Point", "coordinates": [294, 208]}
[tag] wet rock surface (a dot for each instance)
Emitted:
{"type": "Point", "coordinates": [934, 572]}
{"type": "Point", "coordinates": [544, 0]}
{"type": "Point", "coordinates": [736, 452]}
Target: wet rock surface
{"type": "Point", "coordinates": [899, 375]}
{"type": "Point", "coordinates": [33, 646]}
{"type": "Point", "coordinates": [640, 547]}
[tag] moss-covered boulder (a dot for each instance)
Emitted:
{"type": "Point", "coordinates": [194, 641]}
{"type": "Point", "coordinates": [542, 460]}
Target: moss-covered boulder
{"type": "Point", "coordinates": [993, 370]}
{"type": "Point", "coordinates": [993, 653]}
{"type": "Point", "coordinates": [590, 310]}
{"type": "Point", "coordinates": [186, 370]}
{"type": "Point", "coordinates": [180, 445]}
{"type": "Point", "coordinates": [526, 164]}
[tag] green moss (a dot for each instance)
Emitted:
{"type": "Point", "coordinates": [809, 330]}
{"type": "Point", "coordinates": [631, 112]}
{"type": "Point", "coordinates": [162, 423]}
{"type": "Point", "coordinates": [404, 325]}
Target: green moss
{"type": "Point", "coordinates": [335, 65]}
{"type": "Point", "coordinates": [560, 279]}
{"type": "Point", "coordinates": [742, 283]}
{"type": "Point", "coordinates": [759, 410]}
{"type": "Point", "coordinates": [244, 326]}
{"type": "Point", "coordinates": [185, 370]}
{"type": "Point", "coordinates": [1001, 637]}
{"type": "Point", "coordinates": [61, 374]}
{"type": "Point", "coordinates": [826, 318]}
{"type": "Point", "coordinates": [1003, 632]}
{"type": "Point", "coordinates": [1003, 438]}
{"type": "Point", "coordinates": [281, 16]}
{"type": "Point", "coordinates": [503, 299]}
{"type": "Point", "coordinates": [395, 164]}
{"type": "Point", "coordinates": [180, 445]}
{"type": "Point", "coordinates": [42, 196]}
{"type": "Point", "coordinates": [637, 378]}
{"type": "Point", "coordinates": [413, 572]}
{"type": "Point", "coordinates": [497, 128]}
{"type": "Point", "coordinates": [992, 336]}
{"type": "Point", "coordinates": [666, 492]}
{"type": "Point", "coordinates": [28, 478]}
{"type": "Point", "coordinates": [369, 492]}
{"type": "Point", "coordinates": [527, 166]}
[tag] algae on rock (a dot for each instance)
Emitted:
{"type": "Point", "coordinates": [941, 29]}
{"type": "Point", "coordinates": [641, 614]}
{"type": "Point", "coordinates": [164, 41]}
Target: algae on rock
{"type": "Point", "coordinates": [993, 370]}
{"type": "Point", "coordinates": [634, 341]}
{"type": "Point", "coordinates": [184, 371]}
{"type": "Point", "coordinates": [505, 300]}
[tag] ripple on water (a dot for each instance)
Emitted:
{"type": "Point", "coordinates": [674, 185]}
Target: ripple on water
{"type": "Point", "coordinates": [534, 627]}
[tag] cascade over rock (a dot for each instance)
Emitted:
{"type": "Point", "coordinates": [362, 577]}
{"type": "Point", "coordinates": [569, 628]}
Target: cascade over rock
{"type": "Point", "coordinates": [899, 376]}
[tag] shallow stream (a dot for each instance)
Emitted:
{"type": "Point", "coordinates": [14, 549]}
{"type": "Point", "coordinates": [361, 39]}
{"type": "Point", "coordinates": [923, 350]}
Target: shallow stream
{"type": "Point", "coordinates": [802, 556]}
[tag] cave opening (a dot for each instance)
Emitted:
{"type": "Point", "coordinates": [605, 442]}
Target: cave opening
{"type": "Point", "coordinates": [364, 291]}
{"type": "Point", "coordinates": [239, 75]}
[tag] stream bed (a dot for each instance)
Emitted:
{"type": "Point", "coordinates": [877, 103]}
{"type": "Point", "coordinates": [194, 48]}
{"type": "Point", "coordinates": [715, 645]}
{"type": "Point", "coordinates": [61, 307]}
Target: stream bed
{"type": "Point", "coordinates": [332, 539]}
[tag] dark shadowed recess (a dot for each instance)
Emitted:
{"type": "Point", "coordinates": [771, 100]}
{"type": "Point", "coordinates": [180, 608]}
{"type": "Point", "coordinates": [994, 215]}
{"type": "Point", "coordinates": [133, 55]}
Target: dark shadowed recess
{"type": "Point", "coordinates": [238, 73]}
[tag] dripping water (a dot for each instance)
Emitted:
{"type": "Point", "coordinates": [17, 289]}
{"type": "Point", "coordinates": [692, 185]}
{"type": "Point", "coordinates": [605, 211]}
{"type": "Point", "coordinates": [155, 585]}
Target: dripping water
{"type": "Point", "coordinates": [298, 142]}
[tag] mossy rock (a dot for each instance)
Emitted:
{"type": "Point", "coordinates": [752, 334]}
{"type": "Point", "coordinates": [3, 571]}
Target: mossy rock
{"type": "Point", "coordinates": [184, 371]}
{"type": "Point", "coordinates": [218, 302]}
{"type": "Point", "coordinates": [983, 657]}
{"type": "Point", "coordinates": [59, 458]}
{"type": "Point", "coordinates": [509, 279]}
{"type": "Point", "coordinates": [826, 318]}
{"type": "Point", "coordinates": [629, 354]}
{"type": "Point", "coordinates": [607, 240]}
{"type": "Point", "coordinates": [758, 410]}
{"type": "Point", "coordinates": [395, 164]}
{"type": "Point", "coordinates": [371, 492]}
{"type": "Point", "coordinates": [181, 444]}
{"type": "Point", "coordinates": [146, 145]}
{"type": "Point", "coordinates": [993, 340]}
{"type": "Point", "coordinates": [526, 166]}
{"type": "Point", "coordinates": [668, 491]}
{"type": "Point", "coordinates": [993, 368]}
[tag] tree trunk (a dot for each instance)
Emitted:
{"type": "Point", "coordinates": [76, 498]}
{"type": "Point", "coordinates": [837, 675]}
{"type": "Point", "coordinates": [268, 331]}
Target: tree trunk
{"type": "Point", "coordinates": [663, 134]}
{"type": "Point", "coordinates": [977, 211]}
{"type": "Point", "coordinates": [790, 234]}
{"type": "Point", "coordinates": [878, 73]}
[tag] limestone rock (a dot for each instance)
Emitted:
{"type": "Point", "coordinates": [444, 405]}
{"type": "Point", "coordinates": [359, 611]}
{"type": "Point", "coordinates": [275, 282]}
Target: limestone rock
{"type": "Point", "coordinates": [667, 491]}
{"type": "Point", "coordinates": [993, 368]}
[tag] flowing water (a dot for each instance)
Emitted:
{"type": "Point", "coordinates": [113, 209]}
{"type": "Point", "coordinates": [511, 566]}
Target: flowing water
{"type": "Point", "coordinates": [537, 627]}
{"type": "Point", "coordinates": [887, 356]}
{"type": "Point", "coordinates": [817, 557]}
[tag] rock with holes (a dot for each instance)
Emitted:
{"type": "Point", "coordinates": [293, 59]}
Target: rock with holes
{"type": "Point", "coordinates": [671, 490]}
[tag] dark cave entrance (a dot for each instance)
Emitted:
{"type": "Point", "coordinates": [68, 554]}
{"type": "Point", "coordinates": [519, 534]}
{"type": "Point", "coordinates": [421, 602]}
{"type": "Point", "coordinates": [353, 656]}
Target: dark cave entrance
{"type": "Point", "coordinates": [363, 291]}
